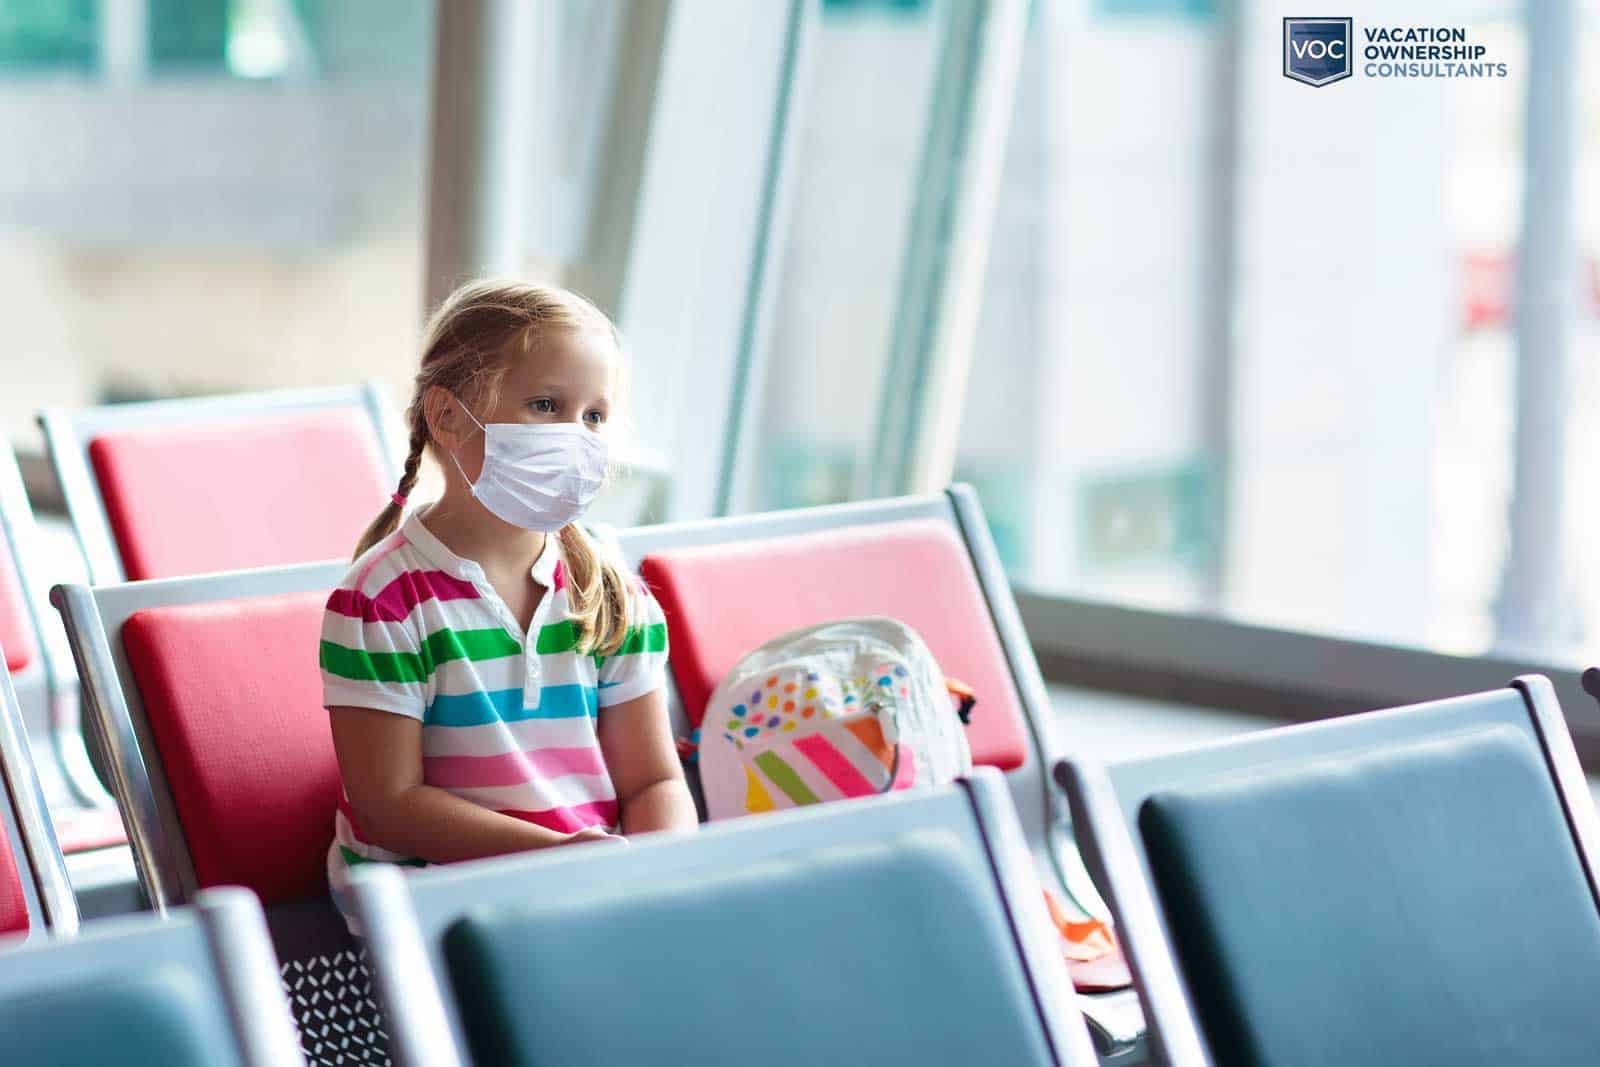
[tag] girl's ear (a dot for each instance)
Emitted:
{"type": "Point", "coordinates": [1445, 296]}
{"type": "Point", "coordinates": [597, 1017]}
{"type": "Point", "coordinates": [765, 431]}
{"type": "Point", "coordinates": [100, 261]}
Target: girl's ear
{"type": "Point", "coordinates": [446, 424]}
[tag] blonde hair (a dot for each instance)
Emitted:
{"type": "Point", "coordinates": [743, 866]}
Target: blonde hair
{"type": "Point", "coordinates": [465, 349]}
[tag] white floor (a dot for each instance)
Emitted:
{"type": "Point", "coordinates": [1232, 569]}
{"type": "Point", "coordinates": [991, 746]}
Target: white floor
{"type": "Point", "coordinates": [1112, 727]}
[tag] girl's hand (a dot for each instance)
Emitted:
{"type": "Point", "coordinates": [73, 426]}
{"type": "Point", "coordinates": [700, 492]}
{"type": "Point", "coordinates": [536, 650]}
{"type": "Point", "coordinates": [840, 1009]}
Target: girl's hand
{"type": "Point", "coordinates": [594, 833]}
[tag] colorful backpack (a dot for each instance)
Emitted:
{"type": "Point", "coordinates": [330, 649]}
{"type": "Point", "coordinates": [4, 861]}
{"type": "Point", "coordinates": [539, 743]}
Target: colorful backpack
{"type": "Point", "coordinates": [844, 709]}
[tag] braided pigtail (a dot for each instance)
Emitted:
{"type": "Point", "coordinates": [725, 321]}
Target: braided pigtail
{"type": "Point", "coordinates": [389, 518]}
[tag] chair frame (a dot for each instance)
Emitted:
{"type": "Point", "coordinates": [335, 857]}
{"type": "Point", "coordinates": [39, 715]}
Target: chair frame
{"type": "Point", "coordinates": [62, 725]}
{"type": "Point", "coordinates": [115, 709]}
{"type": "Point", "coordinates": [405, 914]}
{"type": "Point", "coordinates": [1106, 801]}
{"type": "Point", "coordinates": [68, 434]}
{"type": "Point", "coordinates": [236, 948]}
{"type": "Point", "coordinates": [47, 891]}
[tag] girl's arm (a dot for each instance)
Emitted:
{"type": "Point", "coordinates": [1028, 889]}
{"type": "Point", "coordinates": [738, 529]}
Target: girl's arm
{"type": "Point", "coordinates": [636, 741]}
{"type": "Point", "coordinates": [380, 758]}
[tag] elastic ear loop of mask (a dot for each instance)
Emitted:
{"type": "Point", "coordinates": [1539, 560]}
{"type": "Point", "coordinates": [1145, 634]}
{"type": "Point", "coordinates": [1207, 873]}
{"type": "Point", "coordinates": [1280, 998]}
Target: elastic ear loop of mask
{"type": "Point", "coordinates": [484, 429]}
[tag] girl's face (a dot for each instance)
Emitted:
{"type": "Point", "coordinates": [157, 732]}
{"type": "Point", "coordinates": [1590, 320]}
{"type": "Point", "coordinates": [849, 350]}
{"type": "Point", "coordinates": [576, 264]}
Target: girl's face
{"type": "Point", "coordinates": [568, 376]}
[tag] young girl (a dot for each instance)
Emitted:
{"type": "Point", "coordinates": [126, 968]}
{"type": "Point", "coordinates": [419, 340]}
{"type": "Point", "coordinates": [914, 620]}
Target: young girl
{"type": "Point", "coordinates": [493, 678]}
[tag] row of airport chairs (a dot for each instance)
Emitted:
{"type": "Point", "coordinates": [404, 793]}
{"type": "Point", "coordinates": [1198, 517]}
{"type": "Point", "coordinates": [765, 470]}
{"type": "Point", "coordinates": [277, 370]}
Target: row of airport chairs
{"type": "Point", "coordinates": [217, 751]}
{"type": "Point", "coordinates": [223, 771]}
{"type": "Point", "coordinates": [1414, 885]}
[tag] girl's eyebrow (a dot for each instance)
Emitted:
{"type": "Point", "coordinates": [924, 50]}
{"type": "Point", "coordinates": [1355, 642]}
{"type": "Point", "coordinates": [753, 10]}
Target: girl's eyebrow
{"type": "Point", "coordinates": [555, 393]}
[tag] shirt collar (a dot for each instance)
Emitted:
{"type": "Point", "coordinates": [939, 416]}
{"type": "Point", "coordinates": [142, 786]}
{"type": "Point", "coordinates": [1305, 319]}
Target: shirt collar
{"type": "Point", "coordinates": [544, 568]}
{"type": "Point", "coordinates": [418, 534]}
{"type": "Point", "coordinates": [430, 546]}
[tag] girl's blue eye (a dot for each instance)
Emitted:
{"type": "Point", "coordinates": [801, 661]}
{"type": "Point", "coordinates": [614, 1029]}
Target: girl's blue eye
{"type": "Point", "coordinates": [544, 405]}
{"type": "Point", "coordinates": [594, 417]}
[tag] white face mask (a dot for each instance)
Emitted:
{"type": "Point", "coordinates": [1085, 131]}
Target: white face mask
{"type": "Point", "coordinates": [538, 476]}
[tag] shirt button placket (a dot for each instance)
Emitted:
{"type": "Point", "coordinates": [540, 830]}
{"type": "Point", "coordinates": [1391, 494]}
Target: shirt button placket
{"type": "Point", "coordinates": [530, 658]}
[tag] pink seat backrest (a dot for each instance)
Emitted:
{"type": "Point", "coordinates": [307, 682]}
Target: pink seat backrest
{"type": "Point", "coordinates": [723, 600]}
{"type": "Point", "coordinates": [16, 627]}
{"type": "Point", "coordinates": [252, 491]}
{"type": "Point", "coordinates": [234, 700]}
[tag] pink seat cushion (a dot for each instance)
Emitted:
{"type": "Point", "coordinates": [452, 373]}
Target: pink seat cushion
{"type": "Point", "coordinates": [250, 491]}
{"type": "Point", "coordinates": [13, 903]}
{"type": "Point", "coordinates": [88, 829]}
{"type": "Point", "coordinates": [234, 700]}
{"type": "Point", "coordinates": [721, 601]}
{"type": "Point", "coordinates": [16, 628]}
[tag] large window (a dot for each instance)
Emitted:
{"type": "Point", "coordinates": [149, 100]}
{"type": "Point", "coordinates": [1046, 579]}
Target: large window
{"type": "Point", "coordinates": [860, 127]}
{"type": "Point", "coordinates": [208, 195]}
{"type": "Point", "coordinates": [1250, 348]}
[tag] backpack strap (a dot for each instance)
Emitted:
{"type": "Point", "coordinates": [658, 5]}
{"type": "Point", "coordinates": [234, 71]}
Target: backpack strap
{"type": "Point", "coordinates": [965, 697]}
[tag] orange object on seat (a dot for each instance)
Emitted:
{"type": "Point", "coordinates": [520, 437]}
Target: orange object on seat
{"type": "Point", "coordinates": [234, 700]}
{"type": "Point", "coordinates": [243, 492]}
{"type": "Point", "coordinates": [16, 628]}
{"type": "Point", "coordinates": [1093, 957]}
{"type": "Point", "coordinates": [723, 600]}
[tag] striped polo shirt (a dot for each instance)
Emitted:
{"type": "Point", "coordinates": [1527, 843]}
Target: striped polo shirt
{"type": "Point", "coordinates": [508, 718]}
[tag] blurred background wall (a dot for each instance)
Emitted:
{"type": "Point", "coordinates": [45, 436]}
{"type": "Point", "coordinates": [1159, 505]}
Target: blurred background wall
{"type": "Point", "coordinates": [1242, 346]}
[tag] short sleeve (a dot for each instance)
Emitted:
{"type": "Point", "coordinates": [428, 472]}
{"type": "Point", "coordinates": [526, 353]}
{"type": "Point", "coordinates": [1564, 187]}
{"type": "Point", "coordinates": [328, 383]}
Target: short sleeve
{"type": "Point", "coordinates": [368, 663]}
{"type": "Point", "coordinates": [640, 665]}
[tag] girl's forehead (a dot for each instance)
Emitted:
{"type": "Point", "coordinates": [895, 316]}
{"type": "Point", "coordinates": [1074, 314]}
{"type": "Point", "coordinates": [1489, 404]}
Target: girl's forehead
{"type": "Point", "coordinates": [577, 355]}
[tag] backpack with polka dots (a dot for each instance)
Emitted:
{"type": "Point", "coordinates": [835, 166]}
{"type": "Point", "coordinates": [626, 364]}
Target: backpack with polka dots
{"type": "Point", "coordinates": [844, 709]}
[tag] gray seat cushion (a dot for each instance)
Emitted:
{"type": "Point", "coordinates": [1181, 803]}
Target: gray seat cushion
{"type": "Point", "coordinates": [1416, 904]}
{"type": "Point", "coordinates": [895, 953]}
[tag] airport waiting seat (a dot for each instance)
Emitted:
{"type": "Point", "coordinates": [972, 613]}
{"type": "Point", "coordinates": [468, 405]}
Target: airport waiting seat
{"type": "Point", "coordinates": [35, 894]}
{"type": "Point", "coordinates": [195, 989]}
{"type": "Point", "coordinates": [1415, 885]}
{"type": "Point", "coordinates": [192, 486]}
{"type": "Point", "coordinates": [207, 692]}
{"type": "Point", "coordinates": [84, 815]}
{"type": "Point", "coordinates": [727, 585]}
{"type": "Point", "coordinates": [899, 930]}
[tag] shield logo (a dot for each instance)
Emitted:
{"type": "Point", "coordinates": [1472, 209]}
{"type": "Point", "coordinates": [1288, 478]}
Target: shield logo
{"type": "Point", "coordinates": [1316, 51]}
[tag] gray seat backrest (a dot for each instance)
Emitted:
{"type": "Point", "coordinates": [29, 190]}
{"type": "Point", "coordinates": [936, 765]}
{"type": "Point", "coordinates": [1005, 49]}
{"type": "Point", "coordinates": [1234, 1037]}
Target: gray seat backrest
{"type": "Point", "coordinates": [899, 929]}
{"type": "Point", "coordinates": [196, 989]}
{"type": "Point", "coordinates": [1402, 886]}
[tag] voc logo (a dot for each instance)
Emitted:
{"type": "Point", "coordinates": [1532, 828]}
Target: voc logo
{"type": "Point", "coordinates": [1316, 51]}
